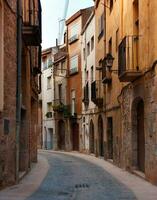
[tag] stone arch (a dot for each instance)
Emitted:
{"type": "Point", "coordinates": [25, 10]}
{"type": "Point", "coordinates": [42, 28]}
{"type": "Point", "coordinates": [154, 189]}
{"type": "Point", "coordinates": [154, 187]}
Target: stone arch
{"type": "Point", "coordinates": [1, 53]}
{"type": "Point", "coordinates": [100, 136]}
{"type": "Point", "coordinates": [91, 137]}
{"type": "Point", "coordinates": [61, 135]}
{"type": "Point", "coordinates": [138, 135]}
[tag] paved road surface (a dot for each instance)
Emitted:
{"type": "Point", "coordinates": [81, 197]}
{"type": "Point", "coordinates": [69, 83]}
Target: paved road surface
{"type": "Point", "coordinates": [72, 178]}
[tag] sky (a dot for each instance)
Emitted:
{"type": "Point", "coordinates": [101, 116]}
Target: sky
{"type": "Point", "coordinates": [52, 11]}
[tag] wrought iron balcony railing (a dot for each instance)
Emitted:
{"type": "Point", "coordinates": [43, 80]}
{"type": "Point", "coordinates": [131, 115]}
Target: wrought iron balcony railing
{"type": "Point", "coordinates": [128, 65]}
{"type": "Point", "coordinates": [86, 94]}
{"type": "Point", "coordinates": [96, 93]}
{"type": "Point", "coordinates": [31, 14]}
{"type": "Point", "coordinates": [49, 114]}
{"type": "Point", "coordinates": [58, 105]}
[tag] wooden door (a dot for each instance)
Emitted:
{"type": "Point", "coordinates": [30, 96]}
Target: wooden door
{"type": "Point", "coordinates": [75, 136]}
{"type": "Point", "coordinates": [140, 136]}
{"type": "Point", "coordinates": [61, 135]}
{"type": "Point", "coordinates": [91, 137]}
{"type": "Point", "coordinates": [101, 137]}
{"type": "Point", "coordinates": [110, 137]}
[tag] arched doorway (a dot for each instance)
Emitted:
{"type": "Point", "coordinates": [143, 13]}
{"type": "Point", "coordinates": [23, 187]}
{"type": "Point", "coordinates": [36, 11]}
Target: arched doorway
{"type": "Point", "coordinates": [100, 136]}
{"type": "Point", "coordinates": [61, 135]}
{"type": "Point", "coordinates": [75, 136]}
{"type": "Point", "coordinates": [91, 137]}
{"type": "Point", "coordinates": [110, 137]}
{"type": "Point", "coordinates": [138, 135]}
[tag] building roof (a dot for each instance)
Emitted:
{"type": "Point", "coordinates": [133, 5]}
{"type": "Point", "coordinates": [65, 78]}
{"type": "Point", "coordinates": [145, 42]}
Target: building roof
{"type": "Point", "coordinates": [88, 22]}
{"type": "Point", "coordinates": [60, 55]}
{"type": "Point", "coordinates": [77, 14]}
{"type": "Point", "coordinates": [49, 50]}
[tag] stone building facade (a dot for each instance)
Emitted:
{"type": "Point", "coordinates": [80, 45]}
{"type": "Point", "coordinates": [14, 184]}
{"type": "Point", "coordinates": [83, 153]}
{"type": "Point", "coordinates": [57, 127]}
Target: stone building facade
{"type": "Point", "coordinates": [88, 85]}
{"type": "Point", "coordinates": [47, 97]}
{"type": "Point", "coordinates": [60, 106]}
{"type": "Point", "coordinates": [129, 97]}
{"type": "Point", "coordinates": [138, 97]}
{"type": "Point", "coordinates": [99, 99]}
{"type": "Point", "coordinates": [20, 68]}
{"type": "Point", "coordinates": [75, 25]}
{"type": "Point", "coordinates": [7, 91]}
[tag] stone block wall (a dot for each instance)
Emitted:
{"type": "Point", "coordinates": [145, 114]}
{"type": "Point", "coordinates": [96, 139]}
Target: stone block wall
{"type": "Point", "coordinates": [144, 89]}
{"type": "Point", "coordinates": [8, 114]}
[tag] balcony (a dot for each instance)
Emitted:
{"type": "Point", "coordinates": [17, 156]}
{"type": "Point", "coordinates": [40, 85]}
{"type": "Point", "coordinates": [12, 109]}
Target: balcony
{"type": "Point", "coordinates": [31, 29]}
{"type": "Point", "coordinates": [68, 112]}
{"type": "Point", "coordinates": [49, 114]}
{"type": "Point", "coordinates": [58, 105]}
{"type": "Point", "coordinates": [96, 93]}
{"type": "Point", "coordinates": [86, 94]}
{"type": "Point", "coordinates": [128, 59]}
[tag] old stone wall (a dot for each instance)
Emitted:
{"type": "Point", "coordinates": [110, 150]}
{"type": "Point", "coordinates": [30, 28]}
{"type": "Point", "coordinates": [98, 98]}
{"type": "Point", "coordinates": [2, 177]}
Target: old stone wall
{"type": "Point", "coordinates": [8, 114]}
{"type": "Point", "coordinates": [142, 89]}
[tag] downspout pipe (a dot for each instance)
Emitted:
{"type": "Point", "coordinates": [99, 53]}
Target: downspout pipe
{"type": "Point", "coordinates": [18, 83]}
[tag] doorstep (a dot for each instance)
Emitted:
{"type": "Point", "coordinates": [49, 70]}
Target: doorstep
{"type": "Point", "coordinates": [22, 175]}
{"type": "Point", "coordinates": [139, 174]}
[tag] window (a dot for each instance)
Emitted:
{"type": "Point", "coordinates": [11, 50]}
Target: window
{"type": "Point", "coordinates": [49, 107]}
{"type": "Point", "coordinates": [74, 33]}
{"type": "Point", "coordinates": [62, 67]}
{"type": "Point", "coordinates": [101, 26]}
{"type": "Point", "coordinates": [87, 76]}
{"type": "Point", "coordinates": [56, 70]}
{"type": "Point", "coordinates": [1, 55]}
{"type": "Point", "coordinates": [74, 30]}
{"type": "Point", "coordinates": [74, 64]}
{"type": "Point", "coordinates": [44, 64]}
{"type": "Point", "coordinates": [49, 82]}
{"type": "Point", "coordinates": [73, 101]}
{"type": "Point", "coordinates": [92, 43]}
{"type": "Point", "coordinates": [117, 39]}
{"type": "Point", "coordinates": [92, 74]}
{"type": "Point", "coordinates": [84, 53]}
{"type": "Point", "coordinates": [60, 92]}
{"type": "Point", "coordinates": [49, 110]}
{"type": "Point", "coordinates": [49, 62]}
{"type": "Point", "coordinates": [88, 48]}
{"type": "Point", "coordinates": [111, 5]}
{"type": "Point", "coordinates": [110, 46]}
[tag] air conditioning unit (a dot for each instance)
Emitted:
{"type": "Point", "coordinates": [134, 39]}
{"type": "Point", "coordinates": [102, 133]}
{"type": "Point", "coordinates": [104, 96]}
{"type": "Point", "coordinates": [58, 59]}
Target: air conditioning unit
{"type": "Point", "coordinates": [73, 38]}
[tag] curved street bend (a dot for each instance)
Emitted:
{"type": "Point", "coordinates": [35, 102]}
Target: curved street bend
{"type": "Point", "coordinates": [73, 176]}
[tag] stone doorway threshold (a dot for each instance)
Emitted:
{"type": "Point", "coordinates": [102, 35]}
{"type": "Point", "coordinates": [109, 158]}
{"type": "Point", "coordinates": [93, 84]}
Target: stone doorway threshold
{"type": "Point", "coordinates": [110, 161]}
{"type": "Point", "coordinates": [139, 174]}
{"type": "Point", "coordinates": [22, 174]}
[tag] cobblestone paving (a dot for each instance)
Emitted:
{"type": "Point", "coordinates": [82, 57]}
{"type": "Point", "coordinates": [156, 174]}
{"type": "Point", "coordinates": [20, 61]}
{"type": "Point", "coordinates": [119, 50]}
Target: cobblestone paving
{"type": "Point", "coordinates": [71, 178]}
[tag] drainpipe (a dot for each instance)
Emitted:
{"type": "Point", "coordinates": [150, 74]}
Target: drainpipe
{"type": "Point", "coordinates": [18, 84]}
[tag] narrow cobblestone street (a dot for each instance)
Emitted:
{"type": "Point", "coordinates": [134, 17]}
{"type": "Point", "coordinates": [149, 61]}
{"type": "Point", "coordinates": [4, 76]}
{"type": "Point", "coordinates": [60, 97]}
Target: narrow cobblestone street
{"type": "Point", "coordinates": [73, 176]}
